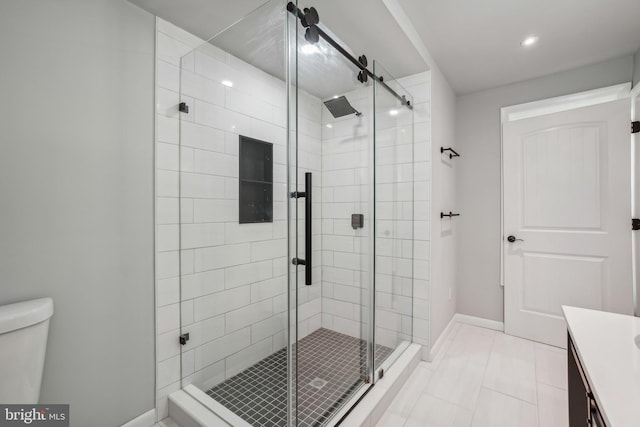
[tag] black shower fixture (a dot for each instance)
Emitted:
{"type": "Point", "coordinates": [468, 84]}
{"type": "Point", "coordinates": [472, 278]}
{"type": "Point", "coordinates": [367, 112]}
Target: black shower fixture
{"type": "Point", "coordinates": [340, 107]}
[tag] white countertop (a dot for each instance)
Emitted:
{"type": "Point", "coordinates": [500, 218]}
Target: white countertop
{"type": "Point", "coordinates": [611, 360]}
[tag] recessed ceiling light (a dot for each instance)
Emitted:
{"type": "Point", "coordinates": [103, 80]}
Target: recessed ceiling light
{"type": "Point", "coordinates": [309, 49]}
{"type": "Point", "coordinates": [227, 83]}
{"type": "Point", "coordinates": [329, 125]}
{"type": "Point", "coordinates": [529, 41]}
{"type": "Point", "coordinates": [394, 112]}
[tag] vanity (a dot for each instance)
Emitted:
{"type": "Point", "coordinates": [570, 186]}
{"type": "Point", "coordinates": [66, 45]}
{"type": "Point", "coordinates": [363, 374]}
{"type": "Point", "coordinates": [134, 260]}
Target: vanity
{"type": "Point", "coordinates": [603, 368]}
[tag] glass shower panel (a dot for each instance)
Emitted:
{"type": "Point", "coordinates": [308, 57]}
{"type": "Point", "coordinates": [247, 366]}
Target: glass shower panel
{"type": "Point", "coordinates": [233, 220]}
{"type": "Point", "coordinates": [394, 217]}
{"type": "Point", "coordinates": [334, 143]}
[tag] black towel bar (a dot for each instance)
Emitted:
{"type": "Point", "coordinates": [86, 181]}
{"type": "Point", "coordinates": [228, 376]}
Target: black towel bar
{"type": "Point", "coordinates": [453, 153]}
{"type": "Point", "coordinates": [450, 214]}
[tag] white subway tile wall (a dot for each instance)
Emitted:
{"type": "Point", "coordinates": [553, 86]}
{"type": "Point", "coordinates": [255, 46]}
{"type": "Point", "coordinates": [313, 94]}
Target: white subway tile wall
{"type": "Point", "coordinates": [232, 295]}
{"type": "Point", "coordinates": [403, 180]}
{"type": "Point", "coordinates": [346, 183]}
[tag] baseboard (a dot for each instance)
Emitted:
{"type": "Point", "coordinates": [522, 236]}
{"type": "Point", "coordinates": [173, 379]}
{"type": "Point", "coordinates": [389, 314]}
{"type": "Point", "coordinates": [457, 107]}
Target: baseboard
{"type": "Point", "coordinates": [479, 321]}
{"type": "Point", "coordinates": [437, 347]}
{"type": "Point", "coordinates": [148, 419]}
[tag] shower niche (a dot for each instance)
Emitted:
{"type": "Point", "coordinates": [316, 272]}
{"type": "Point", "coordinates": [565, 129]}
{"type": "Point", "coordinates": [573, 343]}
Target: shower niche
{"type": "Point", "coordinates": [274, 340]}
{"type": "Point", "coordinates": [255, 180]}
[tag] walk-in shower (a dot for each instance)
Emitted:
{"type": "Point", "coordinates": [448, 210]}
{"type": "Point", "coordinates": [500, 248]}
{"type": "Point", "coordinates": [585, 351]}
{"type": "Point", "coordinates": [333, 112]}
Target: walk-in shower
{"type": "Point", "coordinates": [296, 220]}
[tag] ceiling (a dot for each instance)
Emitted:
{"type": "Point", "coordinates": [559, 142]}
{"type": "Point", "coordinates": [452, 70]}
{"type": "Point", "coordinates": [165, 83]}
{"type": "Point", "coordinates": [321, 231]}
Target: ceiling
{"type": "Point", "coordinates": [367, 27]}
{"type": "Point", "coordinates": [204, 18]}
{"type": "Point", "coordinates": [258, 40]}
{"type": "Point", "coordinates": [362, 26]}
{"type": "Point", "coordinates": [476, 44]}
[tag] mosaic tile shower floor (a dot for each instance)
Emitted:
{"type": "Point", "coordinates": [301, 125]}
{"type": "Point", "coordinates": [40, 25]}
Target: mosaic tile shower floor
{"type": "Point", "coordinates": [332, 365]}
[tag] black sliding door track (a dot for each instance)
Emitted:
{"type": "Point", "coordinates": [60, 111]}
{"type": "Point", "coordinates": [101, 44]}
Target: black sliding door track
{"type": "Point", "coordinates": [293, 9]}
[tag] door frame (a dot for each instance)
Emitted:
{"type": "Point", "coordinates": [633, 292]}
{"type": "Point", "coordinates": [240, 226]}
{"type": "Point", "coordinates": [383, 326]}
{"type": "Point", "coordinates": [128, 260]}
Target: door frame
{"type": "Point", "coordinates": [635, 201]}
{"type": "Point", "coordinates": [548, 106]}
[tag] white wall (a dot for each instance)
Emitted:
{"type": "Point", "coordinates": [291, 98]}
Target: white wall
{"type": "Point", "coordinates": [76, 182]}
{"type": "Point", "coordinates": [478, 175]}
{"type": "Point", "coordinates": [444, 264]}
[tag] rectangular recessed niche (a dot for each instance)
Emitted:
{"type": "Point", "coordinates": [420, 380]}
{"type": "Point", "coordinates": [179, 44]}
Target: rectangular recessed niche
{"type": "Point", "coordinates": [256, 181]}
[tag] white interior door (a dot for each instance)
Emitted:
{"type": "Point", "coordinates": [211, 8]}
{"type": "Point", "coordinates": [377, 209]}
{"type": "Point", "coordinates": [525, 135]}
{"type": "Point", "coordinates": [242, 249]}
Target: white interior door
{"type": "Point", "coordinates": [567, 196]}
{"type": "Point", "coordinates": [635, 170]}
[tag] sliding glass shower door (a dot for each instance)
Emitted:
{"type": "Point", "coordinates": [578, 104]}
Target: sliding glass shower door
{"type": "Point", "coordinates": [331, 186]}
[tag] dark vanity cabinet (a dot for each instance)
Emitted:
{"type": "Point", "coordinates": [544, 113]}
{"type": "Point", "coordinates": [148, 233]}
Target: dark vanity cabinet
{"type": "Point", "coordinates": [583, 409]}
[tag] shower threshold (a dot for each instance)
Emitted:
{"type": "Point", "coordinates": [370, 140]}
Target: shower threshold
{"type": "Point", "coordinates": [331, 367]}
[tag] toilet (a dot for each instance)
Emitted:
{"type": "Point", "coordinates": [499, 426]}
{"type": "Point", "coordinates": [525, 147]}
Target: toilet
{"type": "Point", "coordinates": [24, 327]}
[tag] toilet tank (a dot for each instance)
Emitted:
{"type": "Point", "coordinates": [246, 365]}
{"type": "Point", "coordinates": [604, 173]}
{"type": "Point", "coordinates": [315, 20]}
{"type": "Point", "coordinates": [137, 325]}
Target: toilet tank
{"type": "Point", "coordinates": [24, 327]}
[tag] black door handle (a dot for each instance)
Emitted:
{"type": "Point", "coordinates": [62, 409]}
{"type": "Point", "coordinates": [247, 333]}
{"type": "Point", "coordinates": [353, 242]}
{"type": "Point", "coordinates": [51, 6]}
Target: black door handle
{"type": "Point", "coordinates": [307, 230]}
{"type": "Point", "coordinates": [512, 239]}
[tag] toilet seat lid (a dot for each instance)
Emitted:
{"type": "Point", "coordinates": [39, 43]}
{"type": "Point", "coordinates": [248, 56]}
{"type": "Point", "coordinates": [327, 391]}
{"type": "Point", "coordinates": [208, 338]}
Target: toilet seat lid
{"type": "Point", "coordinates": [23, 314]}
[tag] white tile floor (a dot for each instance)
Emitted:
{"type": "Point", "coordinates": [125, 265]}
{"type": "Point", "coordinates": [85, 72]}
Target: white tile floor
{"type": "Point", "coordinates": [484, 378]}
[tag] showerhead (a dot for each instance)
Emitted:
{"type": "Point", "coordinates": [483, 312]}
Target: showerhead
{"type": "Point", "coordinates": [340, 107]}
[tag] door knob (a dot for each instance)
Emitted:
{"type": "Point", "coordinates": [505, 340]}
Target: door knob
{"type": "Point", "coordinates": [512, 239]}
